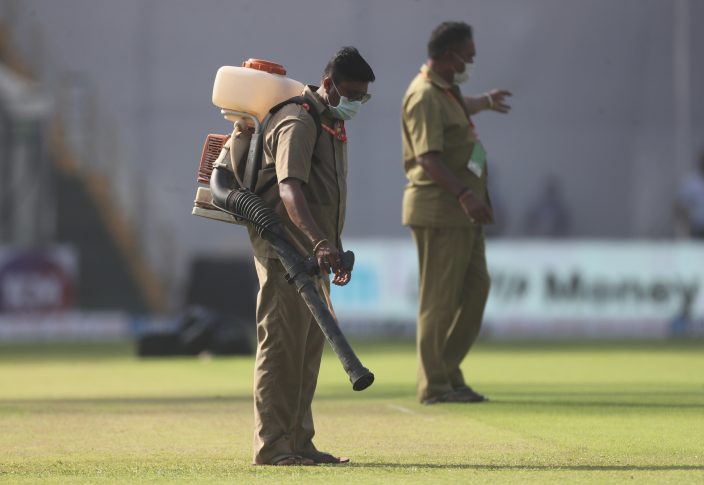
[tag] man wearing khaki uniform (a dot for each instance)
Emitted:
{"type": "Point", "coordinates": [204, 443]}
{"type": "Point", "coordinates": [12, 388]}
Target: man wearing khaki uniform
{"type": "Point", "coordinates": [310, 199]}
{"type": "Point", "coordinates": [446, 203]}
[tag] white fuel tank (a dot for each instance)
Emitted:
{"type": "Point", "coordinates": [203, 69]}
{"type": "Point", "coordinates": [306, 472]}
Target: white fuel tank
{"type": "Point", "coordinates": [254, 88]}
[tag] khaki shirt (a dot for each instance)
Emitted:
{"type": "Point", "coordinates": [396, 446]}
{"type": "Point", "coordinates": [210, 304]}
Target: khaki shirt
{"type": "Point", "coordinates": [434, 120]}
{"type": "Point", "coordinates": [290, 149]}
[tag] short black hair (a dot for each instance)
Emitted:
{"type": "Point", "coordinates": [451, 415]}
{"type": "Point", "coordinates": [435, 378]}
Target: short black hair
{"type": "Point", "coordinates": [446, 36]}
{"type": "Point", "coordinates": [349, 65]}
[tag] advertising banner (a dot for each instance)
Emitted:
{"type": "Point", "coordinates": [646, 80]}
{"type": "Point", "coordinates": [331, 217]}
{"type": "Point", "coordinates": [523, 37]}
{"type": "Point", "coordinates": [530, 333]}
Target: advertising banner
{"type": "Point", "coordinates": [37, 280]}
{"type": "Point", "coordinates": [546, 289]}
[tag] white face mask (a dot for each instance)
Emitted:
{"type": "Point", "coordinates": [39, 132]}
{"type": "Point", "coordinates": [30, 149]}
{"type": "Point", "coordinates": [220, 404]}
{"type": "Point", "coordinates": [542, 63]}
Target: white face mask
{"type": "Point", "coordinates": [463, 77]}
{"type": "Point", "coordinates": [345, 109]}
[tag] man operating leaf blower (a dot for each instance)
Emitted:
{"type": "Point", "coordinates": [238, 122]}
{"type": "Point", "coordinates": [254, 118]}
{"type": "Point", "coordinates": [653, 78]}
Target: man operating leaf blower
{"type": "Point", "coordinates": [285, 178]}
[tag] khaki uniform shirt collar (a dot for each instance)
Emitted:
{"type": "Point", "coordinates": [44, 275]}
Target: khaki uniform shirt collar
{"type": "Point", "coordinates": [310, 92]}
{"type": "Point", "coordinates": [434, 77]}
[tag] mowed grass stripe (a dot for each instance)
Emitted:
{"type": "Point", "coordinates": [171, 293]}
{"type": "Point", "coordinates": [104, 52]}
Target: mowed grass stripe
{"type": "Point", "coordinates": [559, 412]}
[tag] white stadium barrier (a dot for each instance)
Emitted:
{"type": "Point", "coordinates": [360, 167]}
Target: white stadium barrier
{"type": "Point", "coordinates": [541, 289]}
{"type": "Point", "coordinates": [544, 289]}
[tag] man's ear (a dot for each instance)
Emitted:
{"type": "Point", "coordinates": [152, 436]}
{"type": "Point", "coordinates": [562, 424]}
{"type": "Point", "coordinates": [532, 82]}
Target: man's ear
{"type": "Point", "coordinates": [327, 84]}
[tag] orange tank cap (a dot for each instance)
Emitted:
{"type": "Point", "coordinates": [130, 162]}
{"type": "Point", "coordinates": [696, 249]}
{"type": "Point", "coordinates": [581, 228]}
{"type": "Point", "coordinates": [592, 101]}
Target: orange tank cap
{"type": "Point", "coordinates": [267, 66]}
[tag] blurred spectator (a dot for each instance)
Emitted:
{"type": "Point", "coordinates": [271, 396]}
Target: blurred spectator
{"type": "Point", "coordinates": [682, 325]}
{"type": "Point", "coordinates": [548, 216]}
{"type": "Point", "coordinates": [689, 206]}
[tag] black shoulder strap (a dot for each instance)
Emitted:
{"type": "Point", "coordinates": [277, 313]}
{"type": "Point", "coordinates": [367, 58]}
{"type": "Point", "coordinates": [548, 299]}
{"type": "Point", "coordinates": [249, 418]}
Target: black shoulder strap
{"type": "Point", "coordinates": [308, 105]}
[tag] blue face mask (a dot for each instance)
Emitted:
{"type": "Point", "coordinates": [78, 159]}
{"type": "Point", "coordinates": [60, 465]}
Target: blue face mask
{"type": "Point", "coordinates": [345, 109]}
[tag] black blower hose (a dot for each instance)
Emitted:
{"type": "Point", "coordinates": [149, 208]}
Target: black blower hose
{"type": "Point", "coordinates": [251, 207]}
{"type": "Point", "coordinates": [243, 204]}
{"type": "Point", "coordinates": [222, 181]}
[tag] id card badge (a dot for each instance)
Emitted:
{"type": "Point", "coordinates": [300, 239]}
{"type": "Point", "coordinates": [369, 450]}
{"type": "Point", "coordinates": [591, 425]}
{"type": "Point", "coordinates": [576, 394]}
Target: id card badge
{"type": "Point", "coordinates": [477, 161]}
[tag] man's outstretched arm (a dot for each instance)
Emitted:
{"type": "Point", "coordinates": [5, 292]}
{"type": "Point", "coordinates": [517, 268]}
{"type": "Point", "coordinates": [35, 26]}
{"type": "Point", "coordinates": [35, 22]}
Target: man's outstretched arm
{"type": "Point", "coordinates": [494, 100]}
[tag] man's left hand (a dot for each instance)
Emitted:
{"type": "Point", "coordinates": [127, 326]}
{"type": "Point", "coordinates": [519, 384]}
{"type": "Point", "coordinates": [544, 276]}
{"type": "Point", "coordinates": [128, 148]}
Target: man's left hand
{"type": "Point", "coordinates": [342, 277]}
{"type": "Point", "coordinates": [498, 100]}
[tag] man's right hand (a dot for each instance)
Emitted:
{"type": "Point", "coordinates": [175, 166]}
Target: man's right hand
{"type": "Point", "coordinates": [328, 258]}
{"type": "Point", "coordinates": [475, 209]}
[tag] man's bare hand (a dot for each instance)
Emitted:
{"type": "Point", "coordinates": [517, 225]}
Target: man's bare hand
{"type": "Point", "coordinates": [342, 277]}
{"type": "Point", "coordinates": [498, 100]}
{"type": "Point", "coordinates": [475, 209]}
{"type": "Point", "coordinates": [328, 258]}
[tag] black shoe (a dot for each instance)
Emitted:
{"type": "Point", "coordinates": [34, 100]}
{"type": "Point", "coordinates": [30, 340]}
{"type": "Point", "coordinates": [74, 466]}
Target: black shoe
{"type": "Point", "coordinates": [450, 396]}
{"type": "Point", "coordinates": [471, 394]}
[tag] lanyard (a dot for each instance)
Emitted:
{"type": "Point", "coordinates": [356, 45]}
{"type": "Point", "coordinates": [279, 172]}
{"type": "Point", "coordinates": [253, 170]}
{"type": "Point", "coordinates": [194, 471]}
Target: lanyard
{"type": "Point", "coordinates": [449, 93]}
{"type": "Point", "coordinates": [338, 132]}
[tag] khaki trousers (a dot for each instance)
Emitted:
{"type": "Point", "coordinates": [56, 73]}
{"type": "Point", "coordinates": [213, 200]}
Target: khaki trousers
{"type": "Point", "coordinates": [289, 349]}
{"type": "Point", "coordinates": [454, 286]}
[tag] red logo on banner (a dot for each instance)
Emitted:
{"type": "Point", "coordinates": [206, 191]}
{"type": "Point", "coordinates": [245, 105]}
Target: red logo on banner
{"type": "Point", "coordinates": [35, 282]}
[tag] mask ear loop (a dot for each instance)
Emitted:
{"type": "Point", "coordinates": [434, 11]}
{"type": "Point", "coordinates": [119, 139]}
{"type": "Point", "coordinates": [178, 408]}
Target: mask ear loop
{"type": "Point", "coordinates": [461, 59]}
{"type": "Point", "coordinates": [339, 95]}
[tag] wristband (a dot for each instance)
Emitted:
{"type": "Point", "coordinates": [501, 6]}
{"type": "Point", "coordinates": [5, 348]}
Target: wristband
{"type": "Point", "coordinates": [318, 244]}
{"type": "Point", "coordinates": [491, 101]}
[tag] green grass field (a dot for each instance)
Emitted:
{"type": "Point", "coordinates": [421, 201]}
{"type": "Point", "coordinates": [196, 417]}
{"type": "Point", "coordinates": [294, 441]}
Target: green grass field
{"type": "Point", "coordinates": [590, 413]}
